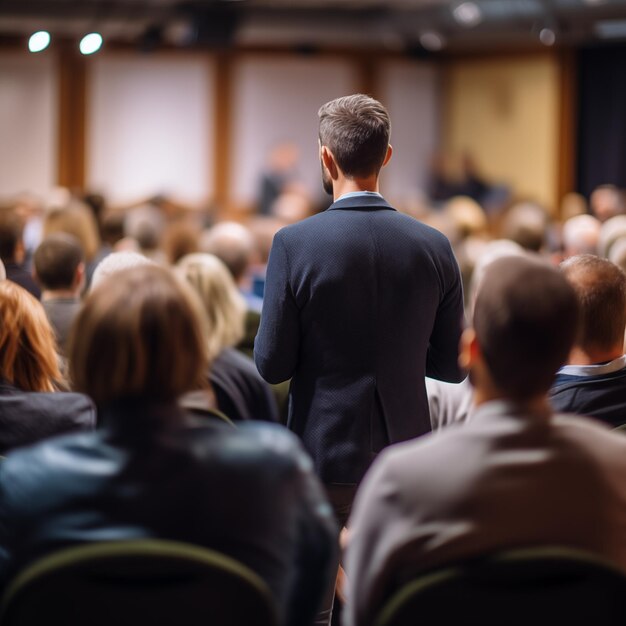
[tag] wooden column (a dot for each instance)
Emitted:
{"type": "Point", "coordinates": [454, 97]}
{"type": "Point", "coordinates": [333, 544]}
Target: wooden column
{"type": "Point", "coordinates": [366, 76]}
{"type": "Point", "coordinates": [222, 134]}
{"type": "Point", "coordinates": [72, 117]}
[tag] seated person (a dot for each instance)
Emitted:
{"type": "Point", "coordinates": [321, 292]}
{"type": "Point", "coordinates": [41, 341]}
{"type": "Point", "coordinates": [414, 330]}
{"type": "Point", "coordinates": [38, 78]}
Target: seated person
{"type": "Point", "coordinates": [13, 251]}
{"type": "Point", "coordinates": [514, 475]}
{"type": "Point", "coordinates": [59, 269]}
{"type": "Point", "coordinates": [240, 392]}
{"type": "Point", "coordinates": [30, 407]}
{"type": "Point", "coordinates": [593, 382]}
{"type": "Point", "coordinates": [150, 471]}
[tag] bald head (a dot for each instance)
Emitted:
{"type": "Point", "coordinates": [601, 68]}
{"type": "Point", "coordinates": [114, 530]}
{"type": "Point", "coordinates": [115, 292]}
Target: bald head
{"type": "Point", "coordinates": [525, 319]}
{"type": "Point", "coordinates": [232, 243]}
{"type": "Point", "coordinates": [600, 287]}
{"type": "Point", "coordinates": [581, 235]}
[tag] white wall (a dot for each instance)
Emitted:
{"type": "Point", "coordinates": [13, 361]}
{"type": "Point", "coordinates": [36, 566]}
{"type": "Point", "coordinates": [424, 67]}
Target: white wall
{"type": "Point", "coordinates": [410, 91]}
{"type": "Point", "coordinates": [28, 122]}
{"type": "Point", "coordinates": [149, 127]}
{"type": "Point", "coordinates": [276, 100]}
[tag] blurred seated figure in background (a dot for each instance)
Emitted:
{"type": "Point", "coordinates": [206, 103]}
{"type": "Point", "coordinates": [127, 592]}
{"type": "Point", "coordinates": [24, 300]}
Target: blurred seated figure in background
{"type": "Point", "coordinates": [117, 262]}
{"type": "Point", "coordinates": [31, 408]}
{"type": "Point", "coordinates": [240, 392]}
{"type": "Point", "coordinates": [527, 224]}
{"type": "Point", "coordinates": [76, 219]}
{"type": "Point", "coordinates": [151, 471]}
{"type": "Point", "coordinates": [455, 177]}
{"type": "Point", "coordinates": [12, 251]}
{"type": "Point", "coordinates": [450, 403]}
{"type": "Point", "coordinates": [606, 201]}
{"type": "Point", "coordinates": [572, 204]}
{"type": "Point", "coordinates": [279, 175]}
{"type": "Point", "coordinates": [180, 238]}
{"type": "Point", "coordinates": [593, 382]}
{"type": "Point", "coordinates": [611, 232]}
{"type": "Point", "coordinates": [581, 234]}
{"type": "Point", "coordinates": [234, 245]}
{"type": "Point", "coordinates": [515, 475]}
{"type": "Point", "coordinates": [59, 268]}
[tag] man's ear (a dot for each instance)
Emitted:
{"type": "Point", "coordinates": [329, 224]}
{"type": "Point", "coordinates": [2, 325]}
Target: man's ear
{"type": "Point", "coordinates": [469, 350]}
{"type": "Point", "coordinates": [79, 276]}
{"type": "Point", "coordinates": [388, 155]}
{"type": "Point", "coordinates": [329, 162]}
{"type": "Point", "coordinates": [20, 252]}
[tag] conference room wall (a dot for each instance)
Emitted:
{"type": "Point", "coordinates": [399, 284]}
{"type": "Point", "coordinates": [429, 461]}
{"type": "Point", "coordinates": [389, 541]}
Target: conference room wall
{"type": "Point", "coordinates": [28, 117]}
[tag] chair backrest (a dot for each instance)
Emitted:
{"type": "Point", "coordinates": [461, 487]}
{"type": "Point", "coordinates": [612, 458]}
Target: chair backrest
{"type": "Point", "coordinates": [137, 583]}
{"type": "Point", "coordinates": [548, 585]}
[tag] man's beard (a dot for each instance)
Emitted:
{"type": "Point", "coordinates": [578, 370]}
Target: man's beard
{"type": "Point", "coordinates": [327, 181]}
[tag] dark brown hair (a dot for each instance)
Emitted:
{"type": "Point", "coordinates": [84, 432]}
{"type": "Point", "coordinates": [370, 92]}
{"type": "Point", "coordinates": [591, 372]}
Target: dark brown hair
{"type": "Point", "coordinates": [56, 259]}
{"type": "Point", "coordinates": [356, 130]}
{"type": "Point", "coordinates": [601, 290]}
{"type": "Point", "coordinates": [141, 335]}
{"type": "Point", "coordinates": [11, 229]}
{"type": "Point", "coordinates": [525, 318]}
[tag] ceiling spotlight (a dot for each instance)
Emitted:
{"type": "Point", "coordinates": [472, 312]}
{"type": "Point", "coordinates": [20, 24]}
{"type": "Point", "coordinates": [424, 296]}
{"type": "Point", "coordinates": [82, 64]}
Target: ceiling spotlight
{"type": "Point", "coordinates": [547, 36]}
{"type": "Point", "coordinates": [90, 43]}
{"type": "Point", "coordinates": [39, 41]}
{"type": "Point", "coordinates": [468, 14]}
{"type": "Point", "coordinates": [432, 41]}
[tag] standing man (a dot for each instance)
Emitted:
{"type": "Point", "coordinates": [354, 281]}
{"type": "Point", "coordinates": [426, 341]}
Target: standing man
{"type": "Point", "coordinates": [361, 302]}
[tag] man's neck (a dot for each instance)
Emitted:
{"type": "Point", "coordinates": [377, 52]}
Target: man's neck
{"type": "Point", "coordinates": [343, 185]}
{"type": "Point", "coordinates": [581, 356]}
{"type": "Point", "coordinates": [58, 294]}
{"type": "Point", "coordinates": [535, 404]}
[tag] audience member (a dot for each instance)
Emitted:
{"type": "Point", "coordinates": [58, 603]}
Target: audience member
{"type": "Point", "coordinates": [240, 392]}
{"type": "Point", "coordinates": [234, 245]}
{"type": "Point", "coordinates": [606, 201]}
{"type": "Point", "coordinates": [59, 268]}
{"type": "Point", "coordinates": [450, 403]}
{"type": "Point", "coordinates": [180, 239]}
{"type": "Point", "coordinates": [526, 224]}
{"type": "Point", "coordinates": [617, 253]}
{"type": "Point", "coordinates": [117, 262]}
{"type": "Point", "coordinates": [31, 408]}
{"type": "Point", "coordinates": [74, 218]}
{"type": "Point", "coordinates": [138, 343]}
{"type": "Point", "coordinates": [593, 382]}
{"type": "Point", "coordinates": [611, 231]}
{"type": "Point", "coordinates": [572, 204]}
{"type": "Point", "coordinates": [12, 251]}
{"type": "Point", "coordinates": [515, 475]}
{"type": "Point", "coordinates": [580, 235]}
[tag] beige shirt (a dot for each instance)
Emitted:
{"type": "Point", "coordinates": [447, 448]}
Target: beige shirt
{"type": "Point", "coordinates": [505, 479]}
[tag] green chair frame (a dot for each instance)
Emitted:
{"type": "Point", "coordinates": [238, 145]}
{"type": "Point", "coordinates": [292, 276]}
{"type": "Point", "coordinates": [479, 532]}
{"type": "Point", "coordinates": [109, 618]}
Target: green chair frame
{"type": "Point", "coordinates": [525, 587]}
{"type": "Point", "coordinates": [136, 583]}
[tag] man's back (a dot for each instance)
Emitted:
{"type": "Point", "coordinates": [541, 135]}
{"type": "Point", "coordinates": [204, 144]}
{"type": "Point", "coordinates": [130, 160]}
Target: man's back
{"type": "Point", "coordinates": [361, 302]}
{"type": "Point", "coordinates": [506, 479]}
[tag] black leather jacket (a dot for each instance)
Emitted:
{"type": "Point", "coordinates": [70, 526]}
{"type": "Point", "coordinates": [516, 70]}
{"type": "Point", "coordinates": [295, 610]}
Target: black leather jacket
{"type": "Point", "coordinates": [148, 471]}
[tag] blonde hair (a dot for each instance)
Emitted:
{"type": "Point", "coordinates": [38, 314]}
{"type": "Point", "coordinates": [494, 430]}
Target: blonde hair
{"type": "Point", "coordinates": [140, 334]}
{"type": "Point", "coordinates": [28, 357]}
{"type": "Point", "coordinates": [75, 219]}
{"type": "Point", "coordinates": [224, 305]}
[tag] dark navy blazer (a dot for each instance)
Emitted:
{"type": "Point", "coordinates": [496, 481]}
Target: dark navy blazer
{"type": "Point", "coordinates": [602, 396]}
{"type": "Point", "coordinates": [361, 302]}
